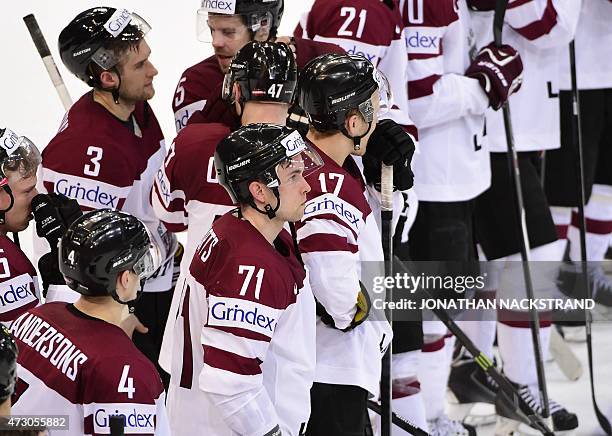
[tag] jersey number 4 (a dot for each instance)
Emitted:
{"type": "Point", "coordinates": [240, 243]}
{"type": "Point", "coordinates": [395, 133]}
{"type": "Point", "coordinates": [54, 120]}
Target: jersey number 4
{"type": "Point", "coordinates": [126, 384]}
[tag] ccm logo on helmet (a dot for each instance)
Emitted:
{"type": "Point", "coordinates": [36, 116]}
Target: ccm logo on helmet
{"type": "Point", "coordinates": [219, 6]}
{"type": "Point", "coordinates": [118, 21]}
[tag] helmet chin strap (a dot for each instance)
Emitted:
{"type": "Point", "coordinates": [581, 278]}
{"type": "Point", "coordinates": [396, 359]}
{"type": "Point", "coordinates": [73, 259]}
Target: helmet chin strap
{"type": "Point", "coordinates": [356, 139]}
{"type": "Point", "coordinates": [269, 210]}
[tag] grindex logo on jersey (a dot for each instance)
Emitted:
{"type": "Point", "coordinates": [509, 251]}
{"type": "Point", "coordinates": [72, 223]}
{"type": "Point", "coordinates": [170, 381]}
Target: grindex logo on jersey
{"type": "Point", "coordinates": [136, 421]}
{"type": "Point", "coordinates": [79, 192]}
{"type": "Point", "coordinates": [244, 314]}
{"type": "Point", "coordinates": [331, 204]}
{"type": "Point", "coordinates": [423, 40]}
{"type": "Point", "coordinates": [92, 193]}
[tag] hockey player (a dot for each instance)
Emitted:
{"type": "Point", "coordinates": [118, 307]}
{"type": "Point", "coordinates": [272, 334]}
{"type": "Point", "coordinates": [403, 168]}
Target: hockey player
{"type": "Point", "coordinates": [540, 30]}
{"type": "Point", "coordinates": [110, 144]}
{"type": "Point", "coordinates": [243, 358]}
{"type": "Point", "coordinates": [592, 45]}
{"type": "Point", "coordinates": [74, 359]}
{"type": "Point", "coordinates": [340, 94]}
{"type": "Point", "coordinates": [19, 161]}
{"type": "Point", "coordinates": [259, 85]}
{"type": "Point", "coordinates": [229, 29]}
{"type": "Point", "coordinates": [448, 95]}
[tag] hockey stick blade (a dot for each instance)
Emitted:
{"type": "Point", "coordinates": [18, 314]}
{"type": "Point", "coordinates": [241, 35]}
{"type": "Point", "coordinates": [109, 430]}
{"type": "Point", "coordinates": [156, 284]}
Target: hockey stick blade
{"type": "Point", "coordinates": [398, 420]}
{"type": "Point", "coordinates": [45, 54]}
{"type": "Point", "coordinates": [486, 364]}
{"type": "Point", "coordinates": [564, 356]}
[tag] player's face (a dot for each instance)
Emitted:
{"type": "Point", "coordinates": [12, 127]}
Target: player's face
{"type": "Point", "coordinates": [137, 73]}
{"type": "Point", "coordinates": [292, 190]}
{"type": "Point", "coordinates": [24, 190]}
{"type": "Point", "coordinates": [229, 34]}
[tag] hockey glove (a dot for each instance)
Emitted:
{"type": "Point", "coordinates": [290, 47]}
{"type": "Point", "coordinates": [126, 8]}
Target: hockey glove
{"type": "Point", "coordinates": [53, 214]}
{"type": "Point", "coordinates": [298, 120]}
{"type": "Point", "coordinates": [481, 5]}
{"type": "Point", "coordinates": [499, 71]}
{"type": "Point", "coordinates": [363, 310]}
{"type": "Point", "coordinates": [391, 145]}
{"type": "Point", "coordinates": [48, 265]}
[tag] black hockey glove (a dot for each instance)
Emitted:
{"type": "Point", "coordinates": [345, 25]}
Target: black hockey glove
{"type": "Point", "coordinates": [298, 120]}
{"type": "Point", "coordinates": [53, 214]}
{"type": "Point", "coordinates": [391, 145]}
{"type": "Point", "coordinates": [48, 265]}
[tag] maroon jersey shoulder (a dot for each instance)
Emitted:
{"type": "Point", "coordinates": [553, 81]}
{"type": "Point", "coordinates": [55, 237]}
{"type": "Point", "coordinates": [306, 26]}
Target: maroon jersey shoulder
{"type": "Point", "coordinates": [82, 358]}
{"type": "Point", "coordinates": [197, 82]}
{"type": "Point", "coordinates": [307, 50]}
{"type": "Point", "coordinates": [193, 164]}
{"type": "Point", "coordinates": [431, 13]}
{"type": "Point", "coordinates": [18, 287]}
{"type": "Point", "coordinates": [235, 261]}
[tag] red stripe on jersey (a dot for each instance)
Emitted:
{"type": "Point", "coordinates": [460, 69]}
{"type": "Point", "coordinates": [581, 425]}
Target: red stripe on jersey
{"type": "Point", "coordinates": [541, 27]}
{"type": "Point", "coordinates": [513, 318]}
{"type": "Point", "coordinates": [243, 333]}
{"type": "Point", "coordinates": [562, 231]}
{"type": "Point", "coordinates": [406, 390]}
{"type": "Point", "coordinates": [422, 87]}
{"type": "Point", "coordinates": [334, 218]}
{"type": "Point", "coordinates": [187, 371]}
{"type": "Point", "coordinates": [433, 346]}
{"type": "Point", "coordinates": [412, 130]}
{"type": "Point", "coordinates": [326, 242]}
{"type": "Point", "coordinates": [517, 3]}
{"type": "Point", "coordinates": [593, 226]}
{"type": "Point", "coordinates": [231, 362]}
{"type": "Point", "coordinates": [421, 56]}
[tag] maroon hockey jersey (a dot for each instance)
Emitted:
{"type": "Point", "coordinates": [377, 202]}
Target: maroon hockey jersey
{"type": "Point", "coordinates": [72, 364]}
{"type": "Point", "coordinates": [104, 162]}
{"type": "Point", "coordinates": [199, 89]}
{"type": "Point", "coordinates": [18, 282]}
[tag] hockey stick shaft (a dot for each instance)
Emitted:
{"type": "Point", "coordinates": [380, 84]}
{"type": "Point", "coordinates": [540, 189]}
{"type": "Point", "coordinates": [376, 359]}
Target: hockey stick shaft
{"type": "Point", "coordinates": [513, 162]}
{"type": "Point", "coordinates": [484, 362]}
{"type": "Point", "coordinates": [565, 358]}
{"type": "Point", "coordinates": [398, 420]}
{"type": "Point", "coordinates": [579, 162]}
{"type": "Point", "coordinates": [45, 54]}
{"type": "Point", "coordinates": [386, 219]}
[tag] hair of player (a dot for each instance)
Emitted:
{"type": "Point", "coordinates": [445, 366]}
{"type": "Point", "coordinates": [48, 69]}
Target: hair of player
{"type": "Point", "coordinates": [119, 48]}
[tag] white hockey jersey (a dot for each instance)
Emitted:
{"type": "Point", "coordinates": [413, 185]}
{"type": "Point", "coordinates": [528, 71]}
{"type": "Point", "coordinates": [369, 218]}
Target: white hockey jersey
{"type": "Point", "coordinates": [540, 30]}
{"type": "Point", "coordinates": [244, 354]}
{"type": "Point", "coordinates": [447, 107]}
{"type": "Point", "coordinates": [84, 368]}
{"type": "Point", "coordinates": [337, 234]}
{"type": "Point", "coordinates": [593, 47]}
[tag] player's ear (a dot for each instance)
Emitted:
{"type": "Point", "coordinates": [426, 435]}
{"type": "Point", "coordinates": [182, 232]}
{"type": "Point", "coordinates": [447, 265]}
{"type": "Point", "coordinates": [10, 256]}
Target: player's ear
{"type": "Point", "coordinates": [257, 191]}
{"type": "Point", "coordinates": [237, 96]}
{"type": "Point", "coordinates": [354, 124]}
{"type": "Point", "coordinates": [123, 279]}
{"type": "Point", "coordinates": [109, 79]}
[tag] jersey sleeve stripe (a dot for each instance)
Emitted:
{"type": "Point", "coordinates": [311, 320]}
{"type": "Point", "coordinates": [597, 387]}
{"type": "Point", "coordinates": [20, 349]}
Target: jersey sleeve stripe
{"type": "Point", "coordinates": [422, 87]}
{"type": "Point", "coordinates": [243, 333]}
{"type": "Point", "coordinates": [322, 226]}
{"type": "Point", "coordinates": [227, 361]}
{"type": "Point", "coordinates": [245, 347]}
{"type": "Point", "coordinates": [326, 242]}
{"type": "Point", "coordinates": [541, 27]}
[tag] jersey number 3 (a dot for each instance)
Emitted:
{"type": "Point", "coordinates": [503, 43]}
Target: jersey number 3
{"type": "Point", "coordinates": [93, 169]}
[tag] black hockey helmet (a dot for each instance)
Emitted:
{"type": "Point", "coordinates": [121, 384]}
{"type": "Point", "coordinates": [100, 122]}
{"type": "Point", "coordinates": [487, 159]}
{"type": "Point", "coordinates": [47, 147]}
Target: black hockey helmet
{"type": "Point", "coordinates": [265, 71]}
{"type": "Point", "coordinates": [101, 244]}
{"type": "Point", "coordinates": [17, 153]}
{"type": "Point", "coordinates": [257, 14]}
{"type": "Point", "coordinates": [8, 363]}
{"type": "Point", "coordinates": [254, 152]}
{"type": "Point", "coordinates": [94, 36]}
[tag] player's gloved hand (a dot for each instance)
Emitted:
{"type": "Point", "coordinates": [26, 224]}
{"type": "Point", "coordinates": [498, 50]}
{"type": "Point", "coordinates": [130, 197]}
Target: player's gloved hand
{"type": "Point", "coordinates": [48, 265]}
{"type": "Point", "coordinates": [363, 310]}
{"type": "Point", "coordinates": [53, 214]}
{"type": "Point", "coordinates": [298, 120]}
{"type": "Point", "coordinates": [391, 145]}
{"type": "Point", "coordinates": [481, 5]}
{"type": "Point", "coordinates": [499, 71]}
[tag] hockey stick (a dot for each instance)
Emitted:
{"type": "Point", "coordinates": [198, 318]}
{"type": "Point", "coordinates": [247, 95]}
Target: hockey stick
{"type": "Point", "coordinates": [566, 360]}
{"type": "Point", "coordinates": [386, 218]}
{"type": "Point", "coordinates": [398, 420]}
{"type": "Point", "coordinates": [45, 55]}
{"type": "Point", "coordinates": [577, 140]}
{"type": "Point", "coordinates": [498, 22]}
{"type": "Point", "coordinates": [486, 364]}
